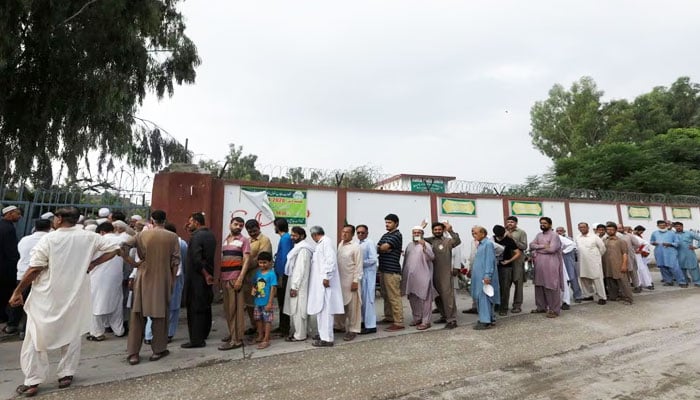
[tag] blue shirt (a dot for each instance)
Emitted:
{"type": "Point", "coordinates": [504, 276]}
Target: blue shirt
{"type": "Point", "coordinates": [283, 248]}
{"type": "Point", "coordinates": [665, 256]}
{"type": "Point", "coordinates": [262, 286]}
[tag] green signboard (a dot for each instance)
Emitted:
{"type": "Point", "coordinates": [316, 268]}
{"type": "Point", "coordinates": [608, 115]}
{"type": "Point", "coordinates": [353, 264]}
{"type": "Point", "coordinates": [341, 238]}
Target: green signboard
{"type": "Point", "coordinates": [427, 185]}
{"type": "Point", "coordinates": [286, 203]}
{"type": "Point", "coordinates": [457, 207]}
{"type": "Point", "coordinates": [681, 213]}
{"type": "Point", "coordinates": [639, 212]}
{"type": "Point", "coordinates": [526, 208]}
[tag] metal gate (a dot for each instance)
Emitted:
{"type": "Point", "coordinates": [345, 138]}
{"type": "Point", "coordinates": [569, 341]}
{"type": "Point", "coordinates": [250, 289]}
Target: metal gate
{"type": "Point", "coordinates": [34, 204]}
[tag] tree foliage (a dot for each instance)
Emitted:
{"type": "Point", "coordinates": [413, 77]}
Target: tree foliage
{"type": "Point", "coordinates": [650, 144]}
{"type": "Point", "coordinates": [73, 74]}
{"type": "Point", "coordinates": [236, 165]}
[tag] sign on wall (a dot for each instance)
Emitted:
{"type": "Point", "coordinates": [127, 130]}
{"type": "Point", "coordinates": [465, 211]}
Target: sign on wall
{"type": "Point", "coordinates": [457, 207]}
{"type": "Point", "coordinates": [526, 208]}
{"type": "Point", "coordinates": [290, 204]}
{"type": "Point", "coordinates": [639, 212]}
{"type": "Point", "coordinates": [681, 213]}
{"type": "Point", "coordinates": [427, 185]}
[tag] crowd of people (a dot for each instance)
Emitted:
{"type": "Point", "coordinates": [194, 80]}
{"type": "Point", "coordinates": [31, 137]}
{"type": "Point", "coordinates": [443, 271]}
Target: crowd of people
{"type": "Point", "coordinates": [140, 270]}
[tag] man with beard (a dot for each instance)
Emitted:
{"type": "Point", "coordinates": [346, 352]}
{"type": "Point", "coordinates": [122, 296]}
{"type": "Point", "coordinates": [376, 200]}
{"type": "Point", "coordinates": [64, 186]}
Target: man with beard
{"type": "Point", "coordinates": [235, 255]}
{"type": "Point", "coordinates": [417, 278]}
{"type": "Point", "coordinates": [297, 271]}
{"type": "Point", "coordinates": [632, 244]}
{"type": "Point", "coordinates": [591, 249]}
{"type": "Point", "coordinates": [199, 276]}
{"type": "Point", "coordinates": [511, 253]}
{"type": "Point", "coordinates": [518, 279]}
{"type": "Point", "coordinates": [9, 256]}
{"type": "Point", "coordinates": [443, 272]}
{"type": "Point", "coordinates": [600, 230]}
{"type": "Point", "coordinates": [549, 282]}
{"type": "Point", "coordinates": [325, 294]}
{"type": "Point", "coordinates": [615, 265]}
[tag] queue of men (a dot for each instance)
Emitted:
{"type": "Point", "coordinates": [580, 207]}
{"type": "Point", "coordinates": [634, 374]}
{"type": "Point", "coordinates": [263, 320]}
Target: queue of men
{"type": "Point", "coordinates": [140, 270]}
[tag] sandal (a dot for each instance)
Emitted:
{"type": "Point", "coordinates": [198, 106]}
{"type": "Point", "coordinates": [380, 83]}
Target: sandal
{"type": "Point", "coordinates": [551, 314]}
{"type": "Point", "coordinates": [263, 345]}
{"type": "Point", "coordinates": [293, 339]}
{"type": "Point", "coordinates": [27, 390]}
{"type": "Point", "coordinates": [536, 311]}
{"type": "Point", "coordinates": [133, 359]}
{"type": "Point", "coordinates": [423, 327]}
{"type": "Point", "coordinates": [95, 338]}
{"type": "Point", "coordinates": [65, 381]}
{"type": "Point", "coordinates": [158, 356]}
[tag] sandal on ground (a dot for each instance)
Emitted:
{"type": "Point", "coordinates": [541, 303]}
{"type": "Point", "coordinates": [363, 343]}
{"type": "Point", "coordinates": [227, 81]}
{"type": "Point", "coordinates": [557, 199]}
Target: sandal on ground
{"type": "Point", "coordinates": [422, 327]}
{"type": "Point", "coordinates": [349, 336]}
{"type": "Point", "coordinates": [133, 359]}
{"type": "Point", "coordinates": [263, 345]}
{"type": "Point", "coordinates": [65, 381]}
{"type": "Point", "coordinates": [516, 310]}
{"type": "Point", "coordinates": [27, 390]}
{"type": "Point", "coordinates": [158, 356]}
{"type": "Point", "coordinates": [536, 311]}
{"type": "Point", "coordinates": [96, 338]}
{"type": "Point", "coordinates": [551, 314]}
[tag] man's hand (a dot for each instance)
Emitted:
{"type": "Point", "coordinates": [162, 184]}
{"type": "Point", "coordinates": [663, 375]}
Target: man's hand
{"type": "Point", "coordinates": [210, 280]}
{"type": "Point", "coordinates": [487, 281]}
{"type": "Point", "coordinates": [238, 284]}
{"type": "Point", "coordinates": [131, 284]}
{"type": "Point", "coordinates": [448, 226]}
{"type": "Point", "coordinates": [326, 283]}
{"type": "Point", "coordinates": [292, 293]}
{"type": "Point", "coordinates": [268, 307]}
{"type": "Point", "coordinates": [623, 268]}
{"type": "Point", "coordinates": [16, 300]}
{"type": "Point", "coordinates": [354, 286]}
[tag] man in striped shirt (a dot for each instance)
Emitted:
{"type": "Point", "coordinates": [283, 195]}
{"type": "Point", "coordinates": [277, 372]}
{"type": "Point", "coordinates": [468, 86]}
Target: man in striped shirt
{"type": "Point", "coordinates": [234, 264]}
{"type": "Point", "coordinates": [389, 249]}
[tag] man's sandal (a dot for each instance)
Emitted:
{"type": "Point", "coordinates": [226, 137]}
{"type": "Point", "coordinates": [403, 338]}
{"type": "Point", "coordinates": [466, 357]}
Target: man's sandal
{"type": "Point", "coordinates": [27, 390]}
{"type": "Point", "coordinates": [65, 381]}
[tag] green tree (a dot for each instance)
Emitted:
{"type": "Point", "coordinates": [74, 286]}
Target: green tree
{"type": "Point", "coordinates": [73, 74]}
{"type": "Point", "coordinates": [569, 121]}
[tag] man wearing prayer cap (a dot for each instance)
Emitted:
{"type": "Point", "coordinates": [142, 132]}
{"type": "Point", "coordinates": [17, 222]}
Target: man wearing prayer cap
{"type": "Point", "coordinates": [417, 279]}
{"type": "Point", "coordinates": [102, 214]}
{"type": "Point", "coordinates": [134, 219]}
{"type": "Point", "coordinates": [47, 215]}
{"type": "Point", "coordinates": [9, 256]}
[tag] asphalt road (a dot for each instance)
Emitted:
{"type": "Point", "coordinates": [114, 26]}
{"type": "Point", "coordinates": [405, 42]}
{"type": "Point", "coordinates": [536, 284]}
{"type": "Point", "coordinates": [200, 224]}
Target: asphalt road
{"type": "Point", "coordinates": [646, 350]}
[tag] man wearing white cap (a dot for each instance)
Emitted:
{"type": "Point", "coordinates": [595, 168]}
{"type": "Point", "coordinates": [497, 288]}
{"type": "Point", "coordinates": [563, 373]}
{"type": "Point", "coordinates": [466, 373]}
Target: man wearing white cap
{"type": "Point", "coordinates": [417, 278]}
{"type": "Point", "coordinates": [134, 219]}
{"type": "Point", "coordinates": [8, 261]}
{"type": "Point", "coordinates": [102, 215]}
{"type": "Point", "coordinates": [58, 307]}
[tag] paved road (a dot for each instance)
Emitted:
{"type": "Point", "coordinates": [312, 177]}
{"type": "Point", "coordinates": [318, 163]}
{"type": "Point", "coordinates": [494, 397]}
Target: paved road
{"type": "Point", "coordinates": [646, 350]}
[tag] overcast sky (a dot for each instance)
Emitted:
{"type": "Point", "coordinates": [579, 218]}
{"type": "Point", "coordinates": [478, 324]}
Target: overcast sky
{"type": "Point", "coordinates": [430, 87]}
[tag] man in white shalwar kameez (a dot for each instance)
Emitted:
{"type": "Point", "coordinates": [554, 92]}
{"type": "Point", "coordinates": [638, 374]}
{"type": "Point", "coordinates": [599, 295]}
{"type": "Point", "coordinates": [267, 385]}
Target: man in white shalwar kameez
{"type": "Point", "coordinates": [325, 295]}
{"type": "Point", "coordinates": [297, 269]}
{"type": "Point", "coordinates": [590, 252]}
{"type": "Point", "coordinates": [642, 254]}
{"type": "Point", "coordinates": [350, 271]}
{"type": "Point", "coordinates": [59, 307]}
{"type": "Point", "coordinates": [106, 291]}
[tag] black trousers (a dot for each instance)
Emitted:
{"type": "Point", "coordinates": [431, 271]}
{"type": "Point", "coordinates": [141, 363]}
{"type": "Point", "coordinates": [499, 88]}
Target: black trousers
{"type": "Point", "coordinates": [281, 292]}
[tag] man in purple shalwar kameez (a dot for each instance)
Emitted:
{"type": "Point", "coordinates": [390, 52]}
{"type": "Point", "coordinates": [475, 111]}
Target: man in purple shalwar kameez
{"type": "Point", "coordinates": [417, 279]}
{"type": "Point", "coordinates": [546, 251]}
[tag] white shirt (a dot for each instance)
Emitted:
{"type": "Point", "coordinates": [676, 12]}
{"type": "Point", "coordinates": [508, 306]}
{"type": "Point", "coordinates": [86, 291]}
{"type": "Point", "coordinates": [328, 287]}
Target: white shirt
{"type": "Point", "coordinates": [24, 247]}
{"type": "Point", "coordinates": [567, 245]}
{"type": "Point", "coordinates": [59, 307]}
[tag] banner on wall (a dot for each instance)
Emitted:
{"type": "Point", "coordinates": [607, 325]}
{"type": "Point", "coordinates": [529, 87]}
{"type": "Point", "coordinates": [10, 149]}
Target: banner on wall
{"type": "Point", "coordinates": [427, 185]}
{"type": "Point", "coordinates": [639, 212]}
{"type": "Point", "coordinates": [526, 208]}
{"type": "Point", "coordinates": [681, 213]}
{"type": "Point", "coordinates": [457, 207]}
{"type": "Point", "coordinates": [284, 203]}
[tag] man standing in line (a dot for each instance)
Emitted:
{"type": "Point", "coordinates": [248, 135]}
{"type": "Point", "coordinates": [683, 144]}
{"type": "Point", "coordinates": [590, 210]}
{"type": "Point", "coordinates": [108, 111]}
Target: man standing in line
{"type": "Point", "coordinates": [615, 265]}
{"type": "Point", "coordinates": [511, 253]}
{"type": "Point", "coordinates": [484, 273]}
{"type": "Point", "coordinates": [642, 254]}
{"type": "Point", "coordinates": [350, 271]}
{"type": "Point", "coordinates": [25, 246]}
{"type": "Point", "coordinates": [325, 294]}
{"type": "Point", "coordinates": [58, 307]}
{"type": "Point", "coordinates": [297, 299]}
{"type": "Point", "coordinates": [549, 282]}
{"type": "Point", "coordinates": [444, 273]}
{"type": "Point", "coordinates": [590, 251]}
{"type": "Point", "coordinates": [8, 263]}
{"type": "Point", "coordinates": [199, 277]}
{"type": "Point", "coordinates": [417, 279]}
{"type": "Point", "coordinates": [159, 250]}
{"type": "Point", "coordinates": [520, 238]}
{"type": "Point", "coordinates": [687, 259]}
{"type": "Point", "coordinates": [235, 259]}
{"type": "Point", "coordinates": [632, 244]}
{"type": "Point", "coordinates": [568, 249]}
{"type": "Point", "coordinates": [369, 280]}
{"type": "Point", "coordinates": [106, 291]}
{"type": "Point", "coordinates": [389, 249]}
{"type": "Point", "coordinates": [666, 245]}
{"type": "Point", "coordinates": [284, 246]}
{"type": "Point", "coordinates": [258, 243]}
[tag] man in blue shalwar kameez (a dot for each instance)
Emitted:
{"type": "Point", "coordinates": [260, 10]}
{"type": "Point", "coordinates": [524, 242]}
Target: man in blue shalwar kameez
{"type": "Point", "coordinates": [483, 271]}
{"type": "Point", "coordinates": [666, 245]}
{"type": "Point", "coordinates": [687, 259]}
